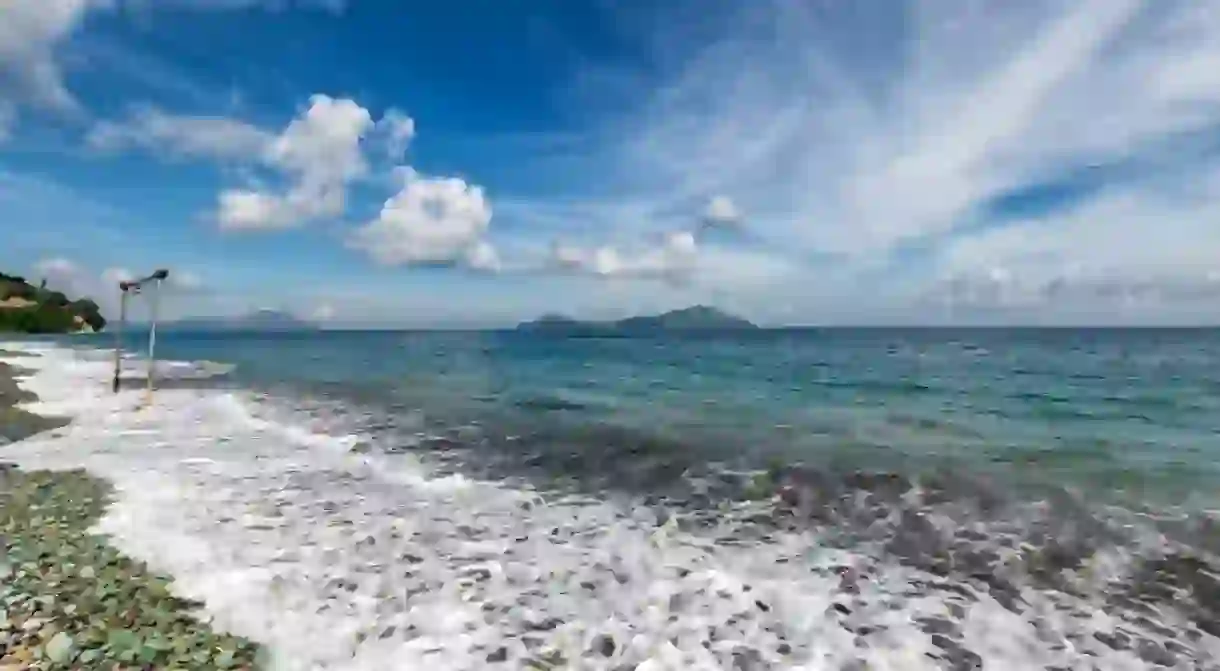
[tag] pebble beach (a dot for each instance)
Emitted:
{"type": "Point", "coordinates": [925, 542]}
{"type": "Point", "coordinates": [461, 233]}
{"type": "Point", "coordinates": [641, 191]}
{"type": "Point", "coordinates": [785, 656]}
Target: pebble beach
{"type": "Point", "coordinates": [68, 598]}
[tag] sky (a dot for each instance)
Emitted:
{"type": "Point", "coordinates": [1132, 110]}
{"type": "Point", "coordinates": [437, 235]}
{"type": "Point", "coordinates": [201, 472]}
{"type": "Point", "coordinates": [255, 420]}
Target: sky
{"type": "Point", "coordinates": [380, 163]}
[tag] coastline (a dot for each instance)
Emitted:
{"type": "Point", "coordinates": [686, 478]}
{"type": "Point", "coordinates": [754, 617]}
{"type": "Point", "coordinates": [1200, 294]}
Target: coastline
{"type": "Point", "coordinates": [332, 554]}
{"type": "Point", "coordinates": [70, 599]}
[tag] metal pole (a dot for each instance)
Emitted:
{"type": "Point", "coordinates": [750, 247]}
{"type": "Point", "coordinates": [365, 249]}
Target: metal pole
{"type": "Point", "coordinates": [118, 336]}
{"type": "Point", "coordinates": [152, 335]}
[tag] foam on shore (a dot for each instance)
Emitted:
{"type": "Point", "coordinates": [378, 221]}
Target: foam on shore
{"type": "Point", "coordinates": [338, 560]}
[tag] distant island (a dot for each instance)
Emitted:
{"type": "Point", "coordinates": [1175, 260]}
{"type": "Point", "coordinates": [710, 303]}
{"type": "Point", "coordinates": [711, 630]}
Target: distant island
{"type": "Point", "coordinates": [26, 308]}
{"type": "Point", "coordinates": [696, 318]}
{"type": "Point", "coordinates": [259, 320]}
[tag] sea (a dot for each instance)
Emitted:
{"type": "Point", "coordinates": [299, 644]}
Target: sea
{"type": "Point", "coordinates": [823, 499]}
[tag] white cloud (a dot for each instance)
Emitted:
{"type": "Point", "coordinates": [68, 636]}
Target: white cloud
{"type": "Point", "coordinates": [855, 146]}
{"type": "Point", "coordinates": [1153, 241]}
{"type": "Point", "coordinates": [429, 220]}
{"type": "Point", "coordinates": [398, 130]}
{"type": "Point", "coordinates": [852, 147]}
{"type": "Point", "coordinates": [322, 312]}
{"type": "Point", "coordinates": [678, 257]}
{"type": "Point", "coordinates": [152, 129]}
{"type": "Point", "coordinates": [1078, 298]}
{"type": "Point", "coordinates": [483, 256]}
{"type": "Point", "coordinates": [671, 258]}
{"type": "Point", "coordinates": [111, 277]}
{"type": "Point", "coordinates": [320, 154]}
{"type": "Point", "coordinates": [184, 281]}
{"type": "Point", "coordinates": [333, 6]}
{"type": "Point", "coordinates": [721, 211]}
{"type": "Point", "coordinates": [29, 33]}
{"type": "Point", "coordinates": [75, 280]}
{"type": "Point", "coordinates": [241, 210]}
{"type": "Point", "coordinates": [57, 269]}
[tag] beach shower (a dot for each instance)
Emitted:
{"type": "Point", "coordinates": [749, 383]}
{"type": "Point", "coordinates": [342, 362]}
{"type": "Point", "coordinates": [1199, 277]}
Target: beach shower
{"type": "Point", "coordinates": [127, 288]}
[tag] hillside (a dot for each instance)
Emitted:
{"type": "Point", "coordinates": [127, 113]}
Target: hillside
{"type": "Point", "coordinates": [25, 308]}
{"type": "Point", "coordinates": [695, 318]}
{"type": "Point", "coordinates": [259, 320]}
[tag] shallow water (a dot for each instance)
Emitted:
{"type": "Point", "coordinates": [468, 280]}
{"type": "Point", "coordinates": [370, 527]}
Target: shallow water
{"type": "Point", "coordinates": [1024, 500]}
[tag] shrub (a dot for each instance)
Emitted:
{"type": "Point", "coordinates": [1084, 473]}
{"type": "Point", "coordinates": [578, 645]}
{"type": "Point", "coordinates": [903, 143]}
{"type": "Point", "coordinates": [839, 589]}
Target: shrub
{"type": "Point", "coordinates": [41, 319]}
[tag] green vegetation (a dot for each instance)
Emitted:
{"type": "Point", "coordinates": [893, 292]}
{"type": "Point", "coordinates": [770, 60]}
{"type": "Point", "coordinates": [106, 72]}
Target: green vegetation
{"type": "Point", "coordinates": [26, 308]}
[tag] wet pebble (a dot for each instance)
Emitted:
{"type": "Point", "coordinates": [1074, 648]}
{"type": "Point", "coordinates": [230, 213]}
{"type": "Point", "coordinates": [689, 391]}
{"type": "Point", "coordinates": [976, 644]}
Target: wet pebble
{"type": "Point", "coordinates": [604, 645]}
{"type": "Point", "coordinates": [1151, 651]}
{"type": "Point", "coordinates": [748, 659]}
{"type": "Point", "coordinates": [1116, 640]}
{"type": "Point", "coordinates": [936, 625]}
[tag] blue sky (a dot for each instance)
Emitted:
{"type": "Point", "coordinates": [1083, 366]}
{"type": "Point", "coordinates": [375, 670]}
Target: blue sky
{"type": "Point", "coordinates": [475, 162]}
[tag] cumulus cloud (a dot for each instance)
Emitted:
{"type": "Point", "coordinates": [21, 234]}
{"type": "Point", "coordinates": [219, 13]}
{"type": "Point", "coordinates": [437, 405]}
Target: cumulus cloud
{"type": "Point", "coordinates": [319, 153]}
{"type": "Point", "coordinates": [57, 270]}
{"type": "Point", "coordinates": [397, 130]}
{"type": "Point", "coordinates": [678, 256]}
{"type": "Point", "coordinates": [671, 258]}
{"type": "Point", "coordinates": [430, 221]}
{"type": "Point", "coordinates": [721, 211]}
{"type": "Point", "coordinates": [152, 129]}
{"type": "Point", "coordinates": [483, 256]}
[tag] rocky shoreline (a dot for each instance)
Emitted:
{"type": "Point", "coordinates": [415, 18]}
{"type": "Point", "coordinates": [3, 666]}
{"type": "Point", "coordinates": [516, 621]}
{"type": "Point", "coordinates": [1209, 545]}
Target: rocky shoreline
{"type": "Point", "coordinates": [69, 600]}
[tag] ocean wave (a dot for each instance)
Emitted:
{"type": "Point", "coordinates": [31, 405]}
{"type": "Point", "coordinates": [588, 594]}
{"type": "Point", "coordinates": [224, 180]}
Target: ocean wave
{"type": "Point", "coordinates": [293, 533]}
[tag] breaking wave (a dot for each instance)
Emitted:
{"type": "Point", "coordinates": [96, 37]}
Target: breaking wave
{"type": "Point", "coordinates": [303, 525]}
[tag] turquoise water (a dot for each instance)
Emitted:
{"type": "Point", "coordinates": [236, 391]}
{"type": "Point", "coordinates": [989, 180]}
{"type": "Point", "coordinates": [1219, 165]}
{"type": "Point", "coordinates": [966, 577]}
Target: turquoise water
{"type": "Point", "coordinates": [1038, 499]}
{"type": "Point", "coordinates": [1118, 413]}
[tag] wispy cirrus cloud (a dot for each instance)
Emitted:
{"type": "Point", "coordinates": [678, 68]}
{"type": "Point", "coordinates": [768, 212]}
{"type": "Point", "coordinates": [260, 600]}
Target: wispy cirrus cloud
{"type": "Point", "coordinates": [334, 6]}
{"type": "Point", "coordinates": [909, 132]}
{"type": "Point", "coordinates": [33, 31]}
{"type": "Point", "coordinates": [171, 135]}
{"type": "Point", "coordinates": [29, 34]}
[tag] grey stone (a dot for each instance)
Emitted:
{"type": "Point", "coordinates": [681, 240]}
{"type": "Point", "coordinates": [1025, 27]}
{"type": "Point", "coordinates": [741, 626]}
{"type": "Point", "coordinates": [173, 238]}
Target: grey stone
{"type": "Point", "coordinates": [1151, 651]}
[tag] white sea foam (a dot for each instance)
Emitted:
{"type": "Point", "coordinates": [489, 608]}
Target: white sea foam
{"type": "Point", "coordinates": [344, 561]}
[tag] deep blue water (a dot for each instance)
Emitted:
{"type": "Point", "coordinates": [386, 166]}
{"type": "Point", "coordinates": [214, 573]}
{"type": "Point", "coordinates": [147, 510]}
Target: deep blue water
{"type": "Point", "coordinates": [1117, 412]}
